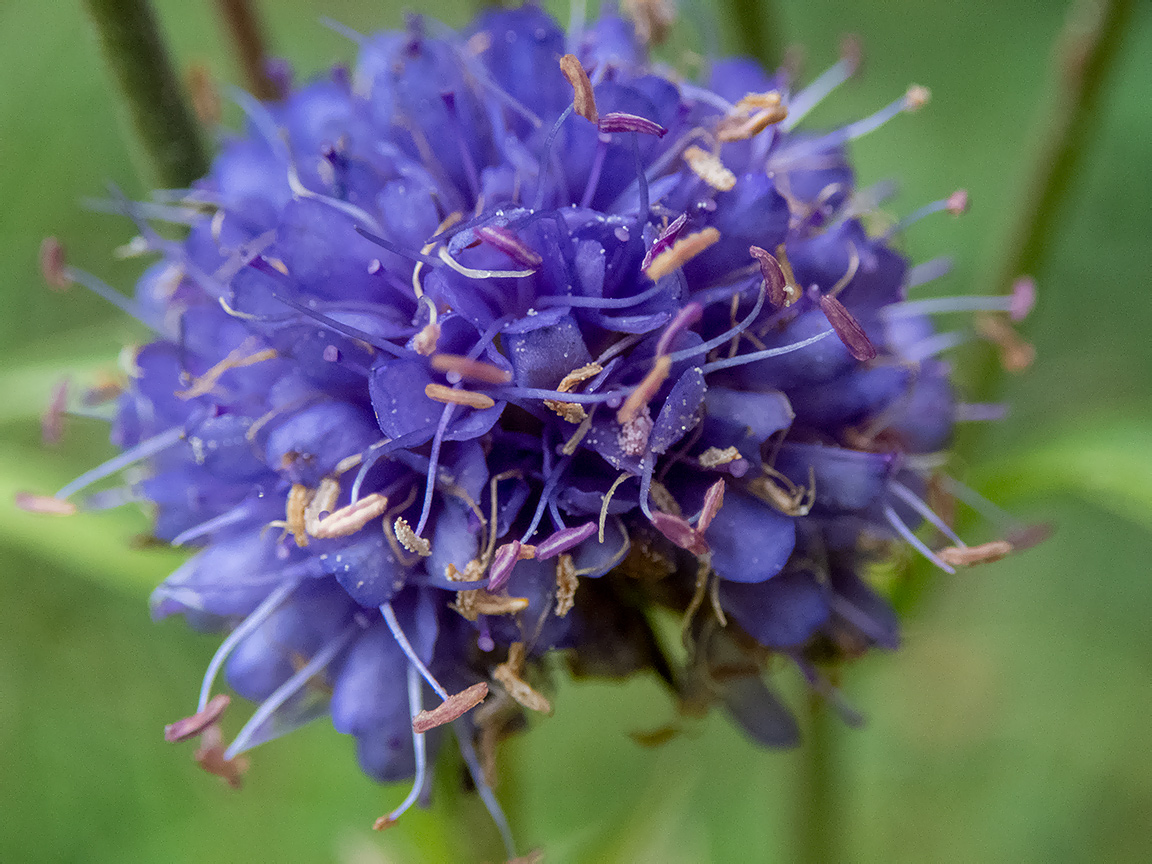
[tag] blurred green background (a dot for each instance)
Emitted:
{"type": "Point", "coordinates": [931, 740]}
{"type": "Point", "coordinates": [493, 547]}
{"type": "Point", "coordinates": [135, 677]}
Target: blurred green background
{"type": "Point", "coordinates": [1012, 726]}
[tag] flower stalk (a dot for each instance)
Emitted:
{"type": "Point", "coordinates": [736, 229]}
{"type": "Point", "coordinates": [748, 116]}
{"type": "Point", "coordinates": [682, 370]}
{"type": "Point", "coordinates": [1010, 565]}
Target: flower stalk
{"type": "Point", "coordinates": [168, 137]}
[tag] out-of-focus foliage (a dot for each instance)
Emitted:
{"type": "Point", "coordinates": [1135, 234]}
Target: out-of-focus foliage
{"type": "Point", "coordinates": [1011, 727]}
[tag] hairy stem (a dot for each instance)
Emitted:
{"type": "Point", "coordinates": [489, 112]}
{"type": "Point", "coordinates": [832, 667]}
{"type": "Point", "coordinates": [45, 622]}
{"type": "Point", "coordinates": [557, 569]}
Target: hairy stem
{"type": "Point", "coordinates": [168, 137]}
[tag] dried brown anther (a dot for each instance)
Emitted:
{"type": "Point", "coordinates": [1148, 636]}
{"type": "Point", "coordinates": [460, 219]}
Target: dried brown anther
{"type": "Point", "coordinates": [1016, 355]}
{"type": "Point", "coordinates": [190, 727]}
{"type": "Point", "coordinates": [410, 540]}
{"type": "Point", "coordinates": [54, 264]}
{"type": "Point", "coordinates": [508, 675]}
{"type": "Point", "coordinates": [708, 167]}
{"type": "Point", "coordinates": [46, 505]}
{"type": "Point", "coordinates": [681, 252]}
{"type": "Point", "coordinates": [967, 556]}
{"type": "Point", "coordinates": [452, 708]}
{"type": "Point", "coordinates": [566, 584]}
{"type": "Point", "coordinates": [210, 756]}
{"type": "Point", "coordinates": [583, 100]}
{"type": "Point", "coordinates": [467, 398]}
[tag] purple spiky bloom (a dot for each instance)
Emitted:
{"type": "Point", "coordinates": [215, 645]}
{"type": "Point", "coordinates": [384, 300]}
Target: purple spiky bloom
{"type": "Point", "coordinates": [447, 375]}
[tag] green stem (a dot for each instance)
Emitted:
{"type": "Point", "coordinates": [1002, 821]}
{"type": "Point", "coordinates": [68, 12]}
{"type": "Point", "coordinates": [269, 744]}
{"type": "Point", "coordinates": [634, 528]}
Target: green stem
{"type": "Point", "coordinates": [243, 24]}
{"type": "Point", "coordinates": [758, 31]}
{"type": "Point", "coordinates": [1085, 57]}
{"type": "Point", "coordinates": [168, 136]}
{"type": "Point", "coordinates": [818, 816]}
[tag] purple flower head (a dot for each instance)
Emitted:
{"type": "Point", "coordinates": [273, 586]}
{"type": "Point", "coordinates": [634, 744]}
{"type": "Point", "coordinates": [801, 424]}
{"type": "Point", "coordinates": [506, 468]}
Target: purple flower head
{"type": "Point", "coordinates": [472, 351]}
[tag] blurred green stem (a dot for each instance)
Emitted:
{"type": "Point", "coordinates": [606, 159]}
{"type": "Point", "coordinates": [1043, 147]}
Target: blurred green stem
{"type": "Point", "coordinates": [164, 127]}
{"type": "Point", "coordinates": [817, 834]}
{"type": "Point", "coordinates": [243, 24]}
{"type": "Point", "coordinates": [758, 31]}
{"type": "Point", "coordinates": [1085, 56]}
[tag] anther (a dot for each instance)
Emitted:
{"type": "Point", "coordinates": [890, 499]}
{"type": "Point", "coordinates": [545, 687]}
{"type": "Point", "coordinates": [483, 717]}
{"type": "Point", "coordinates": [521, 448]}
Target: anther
{"type": "Point", "coordinates": [46, 505]}
{"type": "Point", "coordinates": [508, 675]}
{"type": "Point", "coordinates": [351, 518]}
{"type": "Point", "coordinates": [681, 252]}
{"type": "Point", "coordinates": [566, 584]}
{"type": "Point", "coordinates": [847, 328]}
{"type": "Point", "coordinates": [1016, 355]}
{"type": "Point", "coordinates": [708, 167]}
{"type": "Point", "coordinates": [465, 367]}
{"type": "Point", "coordinates": [645, 390]}
{"type": "Point", "coordinates": [772, 274]}
{"type": "Point", "coordinates": [468, 398]}
{"type": "Point", "coordinates": [510, 245]}
{"type": "Point", "coordinates": [967, 556]}
{"type": "Point", "coordinates": [680, 532]}
{"type": "Point", "coordinates": [452, 708]}
{"type": "Point", "coordinates": [212, 757]}
{"type": "Point", "coordinates": [52, 420]}
{"type": "Point", "coordinates": [618, 121]}
{"type": "Point", "coordinates": [192, 726]}
{"type": "Point", "coordinates": [916, 97]}
{"type": "Point", "coordinates": [563, 540]}
{"type": "Point", "coordinates": [584, 99]}
{"type": "Point", "coordinates": [409, 539]}
{"type": "Point", "coordinates": [713, 501]}
{"type": "Point", "coordinates": [54, 264]}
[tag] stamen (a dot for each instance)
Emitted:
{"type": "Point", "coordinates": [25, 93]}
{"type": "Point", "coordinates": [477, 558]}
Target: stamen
{"type": "Point", "coordinates": [419, 257]}
{"type": "Point", "coordinates": [472, 273]}
{"type": "Point", "coordinates": [563, 540]}
{"type": "Point", "coordinates": [680, 531]}
{"type": "Point", "coordinates": [229, 517]}
{"type": "Point", "coordinates": [604, 506]}
{"type": "Point", "coordinates": [508, 675]}
{"type": "Point", "coordinates": [480, 601]}
{"type": "Point", "coordinates": [351, 518]}
{"type": "Point", "coordinates": [510, 245]}
{"type": "Point", "coordinates": [249, 625]}
{"type": "Point", "coordinates": [483, 789]}
{"type": "Point", "coordinates": [584, 99]}
{"type": "Point", "coordinates": [571, 411]}
{"type": "Point", "coordinates": [847, 328]}
{"type": "Point", "coordinates": [192, 726]}
{"type": "Point", "coordinates": [928, 271]}
{"type": "Point", "coordinates": [913, 500]}
{"type": "Point", "coordinates": [212, 757]}
{"type": "Point", "coordinates": [653, 19]}
{"type": "Point", "coordinates": [645, 391]}
{"type": "Point", "coordinates": [956, 204]}
{"type": "Point", "coordinates": [685, 318]}
{"type": "Point", "coordinates": [467, 398]}
{"type": "Point", "coordinates": [295, 506]}
{"type": "Point", "coordinates": [409, 539]}
{"type": "Point", "coordinates": [714, 457]}
{"type": "Point", "coordinates": [750, 116]}
{"type": "Point", "coordinates": [289, 689]}
{"type": "Point", "coordinates": [465, 367]}
{"type": "Point", "coordinates": [966, 556]}
{"type": "Point", "coordinates": [708, 167]}
{"type": "Point", "coordinates": [681, 252]}
{"type": "Point", "coordinates": [742, 359]}
{"type": "Point", "coordinates": [413, 658]}
{"type": "Point", "coordinates": [450, 220]}
{"type": "Point", "coordinates": [1023, 298]}
{"type": "Point", "coordinates": [45, 505]}
{"type": "Point", "coordinates": [321, 503]}
{"type": "Point", "coordinates": [618, 121]}
{"type": "Point", "coordinates": [503, 561]}
{"type": "Point", "coordinates": [815, 93]}
{"type": "Point", "coordinates": [1016, 355]}
{"type": "Point", "coordinates": [54, 264]}
{"type": "Point", "coordinates": [772, 274]}
{"type": "Point", "coordinates": [452, 708]}
{"type": "Point", "coordinates": [237, 359]}
{"type": "Point", "coordinates": [914, 541]}
{"type": "Point", "coordinates": [419, 751]}
{"type": "Point", "coordinates": [713, 501]}
{"type": "Point", "coordinates": [567, 582]}
{"type": "Point", "coordinates": [145, 449]}
{"type": "Point", "coordinates": [664, 241]}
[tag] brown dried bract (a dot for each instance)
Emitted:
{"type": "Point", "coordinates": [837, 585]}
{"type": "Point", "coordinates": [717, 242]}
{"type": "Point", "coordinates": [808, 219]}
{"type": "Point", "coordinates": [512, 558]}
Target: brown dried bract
{"type": "Point", "coordinates": [967, 556]}
{"type": "Point", "coordinates": [455, 706]}
{"type": "Point", "coordinates": [708, 167]}
{"type": "Point", "coordinates": [584, 100]}
{"type": "Point", "coordinates": [566, 584]}
{"type": "Point", "coordinates": [681, 252]}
